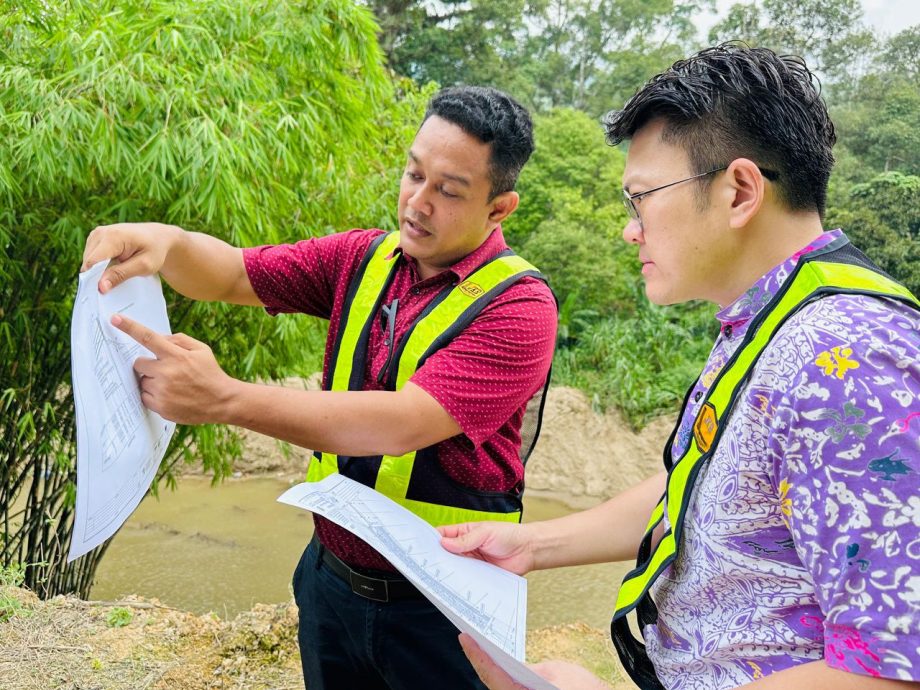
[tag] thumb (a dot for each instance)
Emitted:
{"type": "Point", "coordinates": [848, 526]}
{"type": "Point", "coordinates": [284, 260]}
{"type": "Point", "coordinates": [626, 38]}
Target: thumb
{"type": "Point", "coordinates": [116, 274]}
{"type": "Point", "coordinates": [465, 538]}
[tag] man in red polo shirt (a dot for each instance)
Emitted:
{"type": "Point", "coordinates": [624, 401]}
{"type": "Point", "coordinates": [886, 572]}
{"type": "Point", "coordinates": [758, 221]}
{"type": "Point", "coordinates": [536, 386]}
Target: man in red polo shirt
{"type": "Point", "coordinates": [437, 341]}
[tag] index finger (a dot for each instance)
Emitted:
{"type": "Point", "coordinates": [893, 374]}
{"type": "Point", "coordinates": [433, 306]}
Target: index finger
{"type": "Point", "coordinates": [153, 341]}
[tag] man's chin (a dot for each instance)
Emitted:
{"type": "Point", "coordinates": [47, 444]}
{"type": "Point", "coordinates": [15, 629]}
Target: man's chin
{"type": "Point", "coordinates": [659, 297]}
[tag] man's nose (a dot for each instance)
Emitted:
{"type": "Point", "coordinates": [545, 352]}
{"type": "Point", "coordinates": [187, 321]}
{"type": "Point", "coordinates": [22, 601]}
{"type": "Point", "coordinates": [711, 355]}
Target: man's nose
{"type": "Point", "coordinates": [632, 231]}
{"type": "Point", "coordinates": [419, 201]}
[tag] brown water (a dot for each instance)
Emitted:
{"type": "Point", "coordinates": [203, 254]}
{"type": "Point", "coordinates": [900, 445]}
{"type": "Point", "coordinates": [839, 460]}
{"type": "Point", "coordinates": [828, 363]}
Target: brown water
{"type": "Point", "coordinates": [226, 548]}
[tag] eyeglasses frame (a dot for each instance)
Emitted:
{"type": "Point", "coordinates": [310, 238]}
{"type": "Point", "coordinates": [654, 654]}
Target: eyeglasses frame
{"type": "Point", "coordinates": [633, 211]}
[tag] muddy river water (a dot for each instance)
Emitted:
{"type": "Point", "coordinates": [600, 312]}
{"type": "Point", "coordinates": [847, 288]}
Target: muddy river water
{"type": "Point", "coordinates": [226, 548]}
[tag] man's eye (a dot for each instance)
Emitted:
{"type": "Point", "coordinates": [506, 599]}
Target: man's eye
{"type": "Point", "coordinates": [413, 176]}
{"type": "Point", "coordinates": [448, 193]}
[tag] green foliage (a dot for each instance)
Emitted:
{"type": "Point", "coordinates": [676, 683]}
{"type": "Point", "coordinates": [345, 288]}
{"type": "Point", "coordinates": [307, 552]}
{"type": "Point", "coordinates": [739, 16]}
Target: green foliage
{"type": "Point", "coordinates": [10, 576]}
{"type": "Point", "coordinates": [119, 617]}
{"type": "Point", "coordinates": [880, 124]}
{"type": "Point", "coordinates": [882, 217]}
{"type": "Point", "coordinates": [576, 251]}
{"type": "Point", "coordinates": [570, 216]}
{"type": "Point", "coordinates": [257, 121]}
{"type": "Point", "coordinates": [641, 363]}
{"type": "Point", "coordinates": [902, 54]}
{"type": "Point", "coordinates": [570, 156]}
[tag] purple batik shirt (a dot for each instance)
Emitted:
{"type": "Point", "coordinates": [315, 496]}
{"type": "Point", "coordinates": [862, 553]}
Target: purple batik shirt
{"type": "Point", "coordinates": [802, 536]}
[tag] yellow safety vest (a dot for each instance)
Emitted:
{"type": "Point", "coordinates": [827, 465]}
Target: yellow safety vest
{"type": "Point", "coordinates": [415, 480]}
{"type": "Point", "coordinates": [837, 268]}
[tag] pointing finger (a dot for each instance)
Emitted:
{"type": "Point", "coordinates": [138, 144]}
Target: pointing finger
{"type": "Point", "coordinates": [153, 341]}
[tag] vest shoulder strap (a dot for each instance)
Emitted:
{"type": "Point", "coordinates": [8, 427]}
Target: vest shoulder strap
{"type": "Point", "coordinates": [365, 292]}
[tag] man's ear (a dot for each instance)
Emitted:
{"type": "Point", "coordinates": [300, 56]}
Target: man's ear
{"type": "Point", "coordinates": [747, 190]}
{"type": "Point", "coordinates": [503, 206]}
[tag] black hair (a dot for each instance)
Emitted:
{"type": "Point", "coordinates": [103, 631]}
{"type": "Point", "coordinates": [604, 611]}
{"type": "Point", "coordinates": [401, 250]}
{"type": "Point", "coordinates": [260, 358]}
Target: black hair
{"type": "Point", "coordinates": [732, 101]}
{"type": "Point", "coordinates": [493, 118]}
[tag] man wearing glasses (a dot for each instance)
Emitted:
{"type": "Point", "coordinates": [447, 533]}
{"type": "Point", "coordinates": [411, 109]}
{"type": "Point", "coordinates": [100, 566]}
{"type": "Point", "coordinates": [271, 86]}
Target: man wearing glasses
{"type": "Point", "coordinates": [439, 337]}
{"type": "Point", "coordinates": [780, 547]}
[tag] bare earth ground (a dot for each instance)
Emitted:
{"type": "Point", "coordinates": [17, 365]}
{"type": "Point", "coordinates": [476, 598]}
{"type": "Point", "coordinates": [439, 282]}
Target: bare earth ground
{"type": "Point", "coordinates": [70, 644]}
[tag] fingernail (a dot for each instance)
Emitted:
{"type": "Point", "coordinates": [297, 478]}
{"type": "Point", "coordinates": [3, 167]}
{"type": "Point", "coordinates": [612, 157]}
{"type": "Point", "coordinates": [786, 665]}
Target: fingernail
{"type": "Point", "coordinates": [116, 319]}
{"type": "Point", "coordinates": [105, 285]}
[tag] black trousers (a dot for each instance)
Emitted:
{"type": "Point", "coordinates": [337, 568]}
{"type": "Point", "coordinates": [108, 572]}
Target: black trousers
{"type": "Point", "coordinates": [348, 642]}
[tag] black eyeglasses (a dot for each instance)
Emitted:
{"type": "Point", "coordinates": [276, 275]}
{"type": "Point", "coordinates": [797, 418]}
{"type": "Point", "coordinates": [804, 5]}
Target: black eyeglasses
{"type": "Point", "coordinates": [629, 199]}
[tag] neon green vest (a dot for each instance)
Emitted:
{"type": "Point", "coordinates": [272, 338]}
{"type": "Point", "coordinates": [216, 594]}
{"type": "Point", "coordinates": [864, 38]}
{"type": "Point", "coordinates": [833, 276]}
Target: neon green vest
{"type": "Point", "coordinates": [415, 480]}
{"type": "Point", "coordinates": [837, 268]}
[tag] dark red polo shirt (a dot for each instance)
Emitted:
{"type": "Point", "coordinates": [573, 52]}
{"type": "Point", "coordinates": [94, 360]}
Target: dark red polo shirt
{"type": "Point", "coordinates": [483, 377]}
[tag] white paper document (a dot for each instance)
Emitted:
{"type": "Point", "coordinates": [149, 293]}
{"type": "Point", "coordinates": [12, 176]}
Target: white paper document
{"type": "Point", "coordinates": [120, 443]}
{"type": "Point", "coordinates": [479, 598]}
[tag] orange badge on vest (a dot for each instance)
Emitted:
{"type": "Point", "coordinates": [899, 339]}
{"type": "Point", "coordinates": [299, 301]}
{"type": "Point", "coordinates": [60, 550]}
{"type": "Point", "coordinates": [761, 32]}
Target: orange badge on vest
{"type": "Point", "coordinates": [470, 289]}
{"type": "Point", "coordinates": [705, 427]}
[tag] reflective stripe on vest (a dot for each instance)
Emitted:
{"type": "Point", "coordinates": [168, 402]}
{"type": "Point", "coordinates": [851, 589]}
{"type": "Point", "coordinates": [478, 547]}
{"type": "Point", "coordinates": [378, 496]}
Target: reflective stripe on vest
{"type": "Point", "coordinates": [816, 275]}
{"type": "Point", "coordinates": [431, 331]}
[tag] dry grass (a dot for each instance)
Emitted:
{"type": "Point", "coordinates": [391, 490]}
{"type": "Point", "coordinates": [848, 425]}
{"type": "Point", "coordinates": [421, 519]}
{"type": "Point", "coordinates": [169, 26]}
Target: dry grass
{"type": "Point", "coordinates": [69, 644]}
{"type": "Point", "coordinates": [135, 644]}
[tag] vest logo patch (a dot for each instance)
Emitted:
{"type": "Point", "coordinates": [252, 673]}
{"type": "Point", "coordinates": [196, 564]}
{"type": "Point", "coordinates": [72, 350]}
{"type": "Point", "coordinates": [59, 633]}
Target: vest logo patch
{"type": "Point", "coordinates": [705, 427]}
{"type": "Point", "coordinates": [470, 289]}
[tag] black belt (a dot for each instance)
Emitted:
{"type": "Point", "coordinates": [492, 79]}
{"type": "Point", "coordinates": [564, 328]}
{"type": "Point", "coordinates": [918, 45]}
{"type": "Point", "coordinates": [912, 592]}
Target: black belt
{"type": "Point", "coordinates": [378, 589]}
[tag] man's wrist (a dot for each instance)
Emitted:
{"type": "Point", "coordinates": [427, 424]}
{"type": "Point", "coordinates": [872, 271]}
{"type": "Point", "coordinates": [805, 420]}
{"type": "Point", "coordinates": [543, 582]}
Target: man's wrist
{"type": "Point", "coordinates": [538, 543]}
{"type": "Point", "coordinates": [231, 407]}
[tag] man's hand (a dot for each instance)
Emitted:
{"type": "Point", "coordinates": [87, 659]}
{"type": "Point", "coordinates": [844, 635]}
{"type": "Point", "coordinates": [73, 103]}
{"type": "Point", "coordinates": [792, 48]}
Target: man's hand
{"type": "Point", "coordinates": [562, 674]}
{"type": "Point", "coordinates": [504, 544]}
{"type": "Point", "coordinates": [137, 249]}
{"type": "Point", "coordinates": [184, 384]}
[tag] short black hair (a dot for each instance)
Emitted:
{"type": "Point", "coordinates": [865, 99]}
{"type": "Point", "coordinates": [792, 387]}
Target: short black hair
{"type": "Point", "coordinates": [493, 118]}
{"type": "Point", "coordinates": [732, 101]}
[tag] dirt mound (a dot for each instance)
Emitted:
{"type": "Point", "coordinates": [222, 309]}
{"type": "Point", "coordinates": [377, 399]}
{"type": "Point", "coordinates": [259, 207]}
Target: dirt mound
{"type": "Point", "coordinates": [583, 455]}
{"type": "Point", "coordinates": [67, 643]}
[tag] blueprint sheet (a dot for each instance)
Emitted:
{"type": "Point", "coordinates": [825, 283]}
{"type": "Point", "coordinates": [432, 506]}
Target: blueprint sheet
{"type": "Point", "coordinates": [479, 598]}
{"type": "Point", "coordinates": [119, 442]}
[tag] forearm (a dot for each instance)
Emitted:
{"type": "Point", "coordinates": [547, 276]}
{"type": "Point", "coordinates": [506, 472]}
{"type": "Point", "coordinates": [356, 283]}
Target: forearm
{"type": "Point", "coordinates": [356, 423]}
{"type": "Point", "coordinates": [817, 675]}
{"type": "Point", "coordinates": [608, 532]}
{"type": "Point", "coordinates": [206, 268]}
